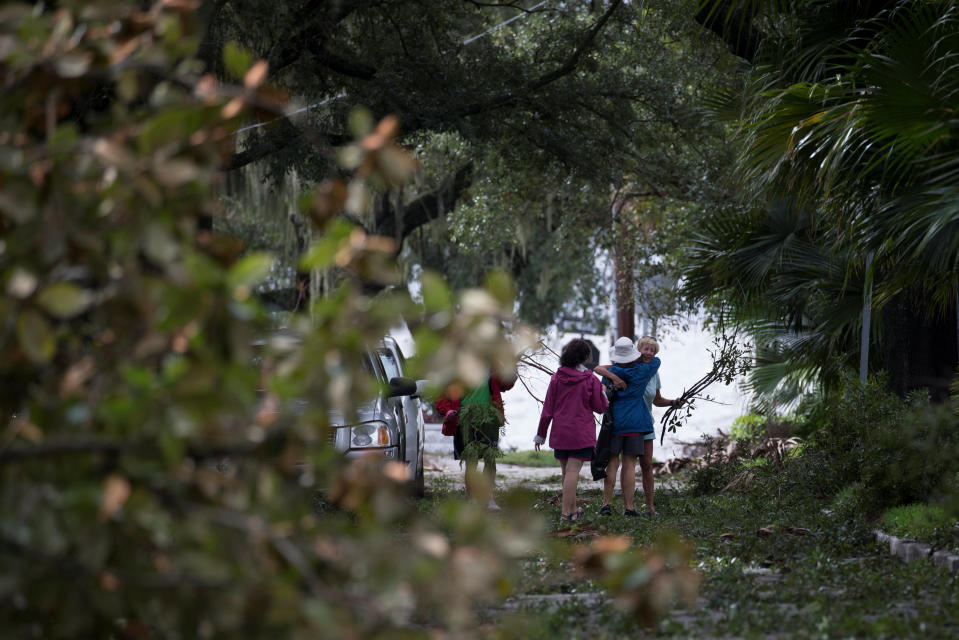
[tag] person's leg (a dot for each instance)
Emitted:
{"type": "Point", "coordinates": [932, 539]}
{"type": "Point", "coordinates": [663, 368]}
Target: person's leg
{"type": "Point", "coordinates": [489, 470]}
{"type": "Point", "coordinates": [471, 466]}
{"type": "Point", "coordinates": [562, 483]}
{"type": "Point", "coordinates": [609, 482]}
{"type": "Point", "coordinates": [646, 465]}
{"type": "Point", "coordinates": [570, 479]}
{"type": "Point", "coordinates": [628, 480]}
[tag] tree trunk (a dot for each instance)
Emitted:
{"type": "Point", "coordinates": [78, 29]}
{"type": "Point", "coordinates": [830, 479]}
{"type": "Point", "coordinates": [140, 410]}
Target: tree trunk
{"type": "Point", "coordinates": [625, 307]}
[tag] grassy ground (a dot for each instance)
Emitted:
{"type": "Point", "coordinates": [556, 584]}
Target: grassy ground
{"type": "Point", "coordinates": [929, 523]}
{"type": "Point", "coordinates": [531, 458]}
{"type": "Point", "coordinates": [772, 567]}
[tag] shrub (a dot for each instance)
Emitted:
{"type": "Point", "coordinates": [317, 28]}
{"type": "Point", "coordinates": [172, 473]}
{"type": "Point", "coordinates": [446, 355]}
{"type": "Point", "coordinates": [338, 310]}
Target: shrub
{"type": "Point", "coordinates": [874, 450]}
{"type": "Point", "coordinates": [868, 450]}
{"type": "Point", "coordinates": [852, 438]}
{"type": "Point", "coordinates": [811, 416]}
{"type": "Point", "coordinates": [848, 503]}
{"type": "Point", "coordinates": [718, 467]}
{"type": "Point", "coordinates": [910, 461]}
{"type": "Point", "coordinates": [749, 427]}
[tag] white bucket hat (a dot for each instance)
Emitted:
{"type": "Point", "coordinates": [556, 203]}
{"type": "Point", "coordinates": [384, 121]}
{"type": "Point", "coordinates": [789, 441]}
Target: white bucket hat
{"type": "Point", "coordinates": [623, 351]}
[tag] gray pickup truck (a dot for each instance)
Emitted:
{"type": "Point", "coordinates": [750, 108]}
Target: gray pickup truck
{"type": "Point", "coordinates": [391, 423]}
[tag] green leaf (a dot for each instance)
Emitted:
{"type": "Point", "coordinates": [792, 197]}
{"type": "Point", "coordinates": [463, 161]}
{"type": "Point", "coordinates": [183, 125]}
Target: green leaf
{"type": "Point", "coordinates": [127, 85]}
{"type": "Point", "coordinates": [168, 127]}
{"type": "Point", "coordinates": [436, 294]}
{"type": "Point", "coordinates": [322, 253]}
{"type": "Point", "coordinates": [64, 299]}
{"type": "Point", "coordinates": [428, 341]}
{"type": "Point", "coordinates": [360, 122]}
{"type": "Point", "coordinates": [500, 285]}
{"type": "Point", "coordinates": [172, 447]}
{"type": "Point", "coordinates": [139, 377]}
{"type": "Point", "coordinates": [36, 336]}
{"type": "Point", "coordinates": [250, 270]}
{"type": "Point", "coordinates": [237, 59]}
{"type": "Point", "coordinates": [174, 368]}
{"type": "Point", "coordinates": [64, 138]}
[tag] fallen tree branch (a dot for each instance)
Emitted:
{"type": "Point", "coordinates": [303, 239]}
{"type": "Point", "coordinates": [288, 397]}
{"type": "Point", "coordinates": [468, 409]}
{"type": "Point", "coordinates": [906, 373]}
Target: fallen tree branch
{"type": "Point", "coordinates": [529, 362]}
{"type": "Point", "coordinates": [530, 392]}
{"type": "Point", "coordinates": [730, 361]}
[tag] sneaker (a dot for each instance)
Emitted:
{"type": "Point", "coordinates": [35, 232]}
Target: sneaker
{"type": "Point", "coordinates": [605, 510]}
{"type": "Point", "coordinates": [492, 506]}
{"type": "Point", "coordinates": [629, 513]}
{"type": "Point", "coordinates": [650, 513]}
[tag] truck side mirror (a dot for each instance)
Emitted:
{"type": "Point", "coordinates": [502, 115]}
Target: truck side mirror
{"type": "Point", "coordinates": [401, 387]}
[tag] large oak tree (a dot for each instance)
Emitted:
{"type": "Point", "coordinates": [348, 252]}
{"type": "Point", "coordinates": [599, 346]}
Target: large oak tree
{"type": "Point", "coordinates": [527, 116]}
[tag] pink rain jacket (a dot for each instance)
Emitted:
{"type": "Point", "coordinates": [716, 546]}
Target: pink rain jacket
{"type": "Point", "coordinates": [571, 399]}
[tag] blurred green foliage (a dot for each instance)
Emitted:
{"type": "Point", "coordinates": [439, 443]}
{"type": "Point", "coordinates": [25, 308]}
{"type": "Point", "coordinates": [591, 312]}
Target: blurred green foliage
{"type": "Point", "coordinates": [156, 481]}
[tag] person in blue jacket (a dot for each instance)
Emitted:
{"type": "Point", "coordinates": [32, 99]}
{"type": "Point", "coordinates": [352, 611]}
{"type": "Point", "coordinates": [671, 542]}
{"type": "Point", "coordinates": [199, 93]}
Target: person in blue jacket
{"type": "Point", "coordinates": [632, 420]}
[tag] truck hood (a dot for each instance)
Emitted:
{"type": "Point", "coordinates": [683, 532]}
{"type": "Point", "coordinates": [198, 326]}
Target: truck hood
{"type": "Point", "coordinates": [372, 410]}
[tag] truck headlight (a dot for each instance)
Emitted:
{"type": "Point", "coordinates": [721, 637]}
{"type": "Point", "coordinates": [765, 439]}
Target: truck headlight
{"type": "Point", "coordinates": [370, 434]}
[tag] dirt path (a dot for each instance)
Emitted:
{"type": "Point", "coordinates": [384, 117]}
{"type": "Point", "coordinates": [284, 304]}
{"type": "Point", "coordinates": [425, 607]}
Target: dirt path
{"type": "Point", "coordinates": [445, 469]}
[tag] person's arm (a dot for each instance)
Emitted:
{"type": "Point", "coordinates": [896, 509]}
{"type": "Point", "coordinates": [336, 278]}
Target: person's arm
{"type": "Point", "coordinates": [604, 371]}
{"type": "Point", "coordinates": [445, 404]}
{"type": "Point", "coordinates": [660, 401]}
{"type": "Point", "coordinates": [448, 409]}
{"type": "Point", "coordinates": [545, 418]}
{"type": "Point", "coordinates": [642, 372]}
{"type": "Point", "coordinates": [597, 399]}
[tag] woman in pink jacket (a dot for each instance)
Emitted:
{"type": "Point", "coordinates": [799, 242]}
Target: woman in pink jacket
{"type": "Point", "coordinates": [574, 394]}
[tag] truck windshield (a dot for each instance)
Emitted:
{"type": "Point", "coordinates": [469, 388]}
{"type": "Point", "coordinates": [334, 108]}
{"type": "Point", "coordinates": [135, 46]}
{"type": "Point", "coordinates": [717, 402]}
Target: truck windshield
{"type": "Point", "coordinates": [390, 365]}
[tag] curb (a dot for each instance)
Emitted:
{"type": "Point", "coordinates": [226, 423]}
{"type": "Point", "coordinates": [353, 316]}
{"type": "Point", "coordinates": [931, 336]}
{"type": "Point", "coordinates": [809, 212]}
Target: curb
{"type": "Point", "coordinates": [910, 551]}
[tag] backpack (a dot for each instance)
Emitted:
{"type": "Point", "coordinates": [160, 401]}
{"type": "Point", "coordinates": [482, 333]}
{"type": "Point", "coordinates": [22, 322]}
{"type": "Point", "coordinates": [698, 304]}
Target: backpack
{"type": "Point", "coordinates": [451, 422]}
{"type": "Point", "coordinates": [601, 454]}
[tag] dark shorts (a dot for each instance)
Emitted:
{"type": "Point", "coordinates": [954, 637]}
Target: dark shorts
{"type": "Point", "coordinates": [631, 445]}
{"type": "Point", "coordinates": [580, 454]}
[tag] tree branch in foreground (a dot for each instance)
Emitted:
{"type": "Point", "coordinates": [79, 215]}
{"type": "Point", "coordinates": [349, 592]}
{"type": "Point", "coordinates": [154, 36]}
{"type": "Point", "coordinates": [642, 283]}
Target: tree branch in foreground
{"type": "Point", "coordinates": [71, 447]}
